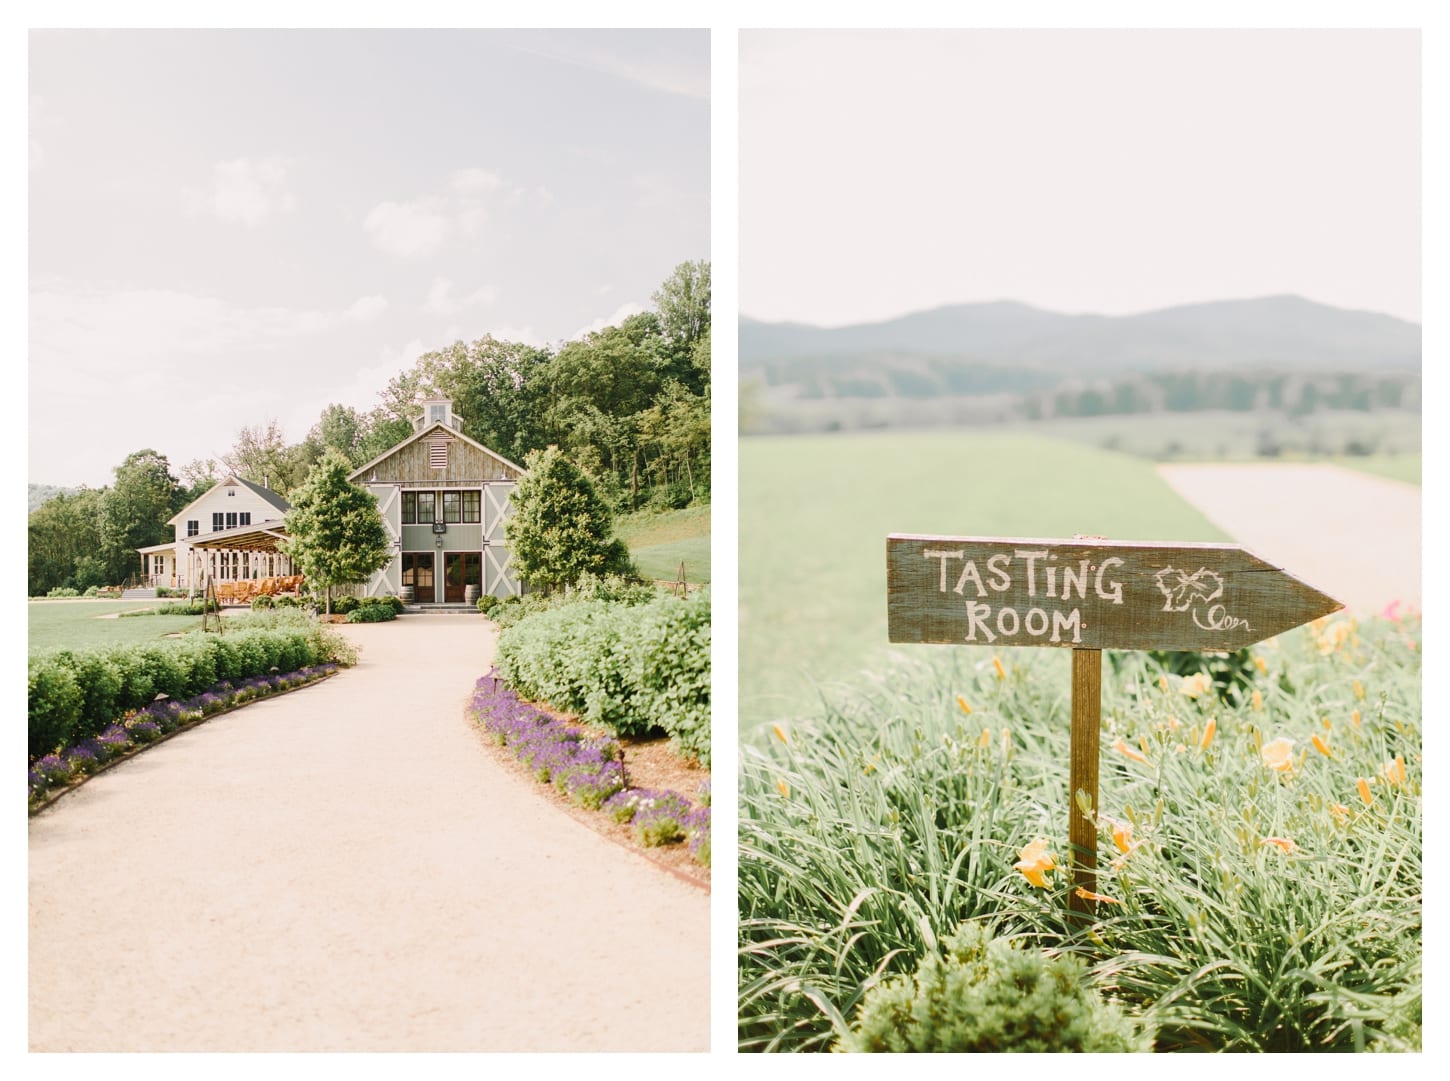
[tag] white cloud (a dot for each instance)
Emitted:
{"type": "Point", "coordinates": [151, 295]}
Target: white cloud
{"type": "Point", "coordinates": [245, 191]}
{"type": "Point", "coordinates": [623, 312]}
{"type": "Point", "coordinates": [474, 180]}
{"type": "Point", "coordinates": [366, 309]}
{"type": "Point", "coordinates": [408, 230]}
{"type": "Point", "coordinates": [442, 301]}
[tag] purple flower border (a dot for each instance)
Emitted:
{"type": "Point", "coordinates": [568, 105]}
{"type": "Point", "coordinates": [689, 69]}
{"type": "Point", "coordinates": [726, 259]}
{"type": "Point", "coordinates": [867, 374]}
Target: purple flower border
{"type": "Point", "coordinates": [54, 773]}
{"type": "Point", "coordinates": [588, 771]}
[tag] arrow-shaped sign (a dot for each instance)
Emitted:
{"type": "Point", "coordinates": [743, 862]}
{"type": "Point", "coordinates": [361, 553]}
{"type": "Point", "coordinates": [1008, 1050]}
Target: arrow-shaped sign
{"type": "Point", "coordinates": [1089, 594]}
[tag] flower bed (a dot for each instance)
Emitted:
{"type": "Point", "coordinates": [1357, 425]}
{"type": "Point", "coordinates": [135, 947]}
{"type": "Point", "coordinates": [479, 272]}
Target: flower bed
{"type": "Point", "coordinates": [54, 773]}
{"type": "Point", "coordinates": [589, 771]}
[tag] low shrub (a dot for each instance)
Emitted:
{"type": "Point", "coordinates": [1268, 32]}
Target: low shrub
{"type": "Point", "coordinates": [986, 994]}
{"type": "Point", "coordinates": [372, 612]}
{"type": "Point", "coordinates": [488, 602]}
{"type": "Point", "coordinates": [264, 601]}
{"type": "Point", "coordinates": [63, 591]}
{"type": "Point", "coordinates": [55, 701]}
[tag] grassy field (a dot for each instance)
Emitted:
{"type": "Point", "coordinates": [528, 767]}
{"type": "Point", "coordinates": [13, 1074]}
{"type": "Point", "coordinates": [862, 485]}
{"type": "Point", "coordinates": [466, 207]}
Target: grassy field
{"type": "Point", "coordinates": [815, 512]}
{"type": "Point", "coordinates": [659, 543]}
{"type": "Point", "coordinates": [82, 624]}
{"type": "Point", "coordinates": [1405, 467]}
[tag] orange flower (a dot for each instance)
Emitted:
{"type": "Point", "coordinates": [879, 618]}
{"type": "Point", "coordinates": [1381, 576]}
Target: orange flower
{"type": "Point", "coordinates": [1123, 836]}
{"type": "Point", "coordinates": [1279, 755]}
{"type": "Point", "coordinates": [1196, 684]}
{"type": "Point", "coordinates": [962, 702]}
{"type": "Point", "coordinates": [1001, 672]}
{"type": "Point", "coordinates": [1162, 683]}
{"type": "Point", "coordinates": [1088, 895]}
{"type": "Point", "coordinates": [783, 788]}
{"type": "Point", "coordinates": [1123, 749]}
{"type": "Point", "coordinates": [1208, 732]}
{"type": "Point", "coordinates": [1354, 718]}
{"type": "Point", "coordinates": [779, 734]}
{"type": "Point", "coordinates": [1320, 745]}
{"type": "Point", "coordinates": [1339, 810]}
{"type": "Point", "coordinates": [1358, 689]}
{"type": "Point", "coordinates": [1261, 665]}
{"type": "Point", "coordinates": [1283, 844]}
{"type": "Point", "coordinates": [986, 740]}
{"type": "Point", "coordinates": [1394, 772]}
{"type": "Point", "coordinates": [1257, 700]}
{"type": "Point", "coordinates": [1034, 862]}
{"type": "Point", "coordinates": [1364, 793]}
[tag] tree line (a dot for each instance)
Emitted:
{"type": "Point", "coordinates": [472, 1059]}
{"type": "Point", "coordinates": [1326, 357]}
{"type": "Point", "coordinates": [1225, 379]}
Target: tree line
{"type": "Point", "coordinates": [629, 405]}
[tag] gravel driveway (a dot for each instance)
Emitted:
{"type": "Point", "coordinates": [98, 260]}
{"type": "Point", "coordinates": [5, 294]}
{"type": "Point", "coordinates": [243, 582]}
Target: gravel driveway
{"type": "Point", "coordinates": [1349, 534]}
{"type": "Point", "coordinates": [348, 868]}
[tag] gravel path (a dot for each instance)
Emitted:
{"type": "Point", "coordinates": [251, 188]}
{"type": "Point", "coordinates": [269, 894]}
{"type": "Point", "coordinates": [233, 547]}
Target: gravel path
{"type": "Point", "coordinates": [1351, 535]}
{"type": "Point", "coordinates": [348, 868]}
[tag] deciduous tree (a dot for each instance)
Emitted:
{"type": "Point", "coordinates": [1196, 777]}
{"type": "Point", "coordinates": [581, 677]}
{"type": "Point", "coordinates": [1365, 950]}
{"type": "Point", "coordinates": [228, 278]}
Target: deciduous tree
{"type": "Point", "coordinates": [335, 531]}
{"type": "Point", "coordinates": [561, 528]}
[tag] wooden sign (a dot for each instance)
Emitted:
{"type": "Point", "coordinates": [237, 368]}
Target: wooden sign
{"type": "Point", "coordinates": [1089, 594]}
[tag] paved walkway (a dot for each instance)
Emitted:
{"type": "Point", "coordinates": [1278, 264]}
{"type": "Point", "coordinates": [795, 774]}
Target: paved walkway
{"type": "Point", "coordinates": [1349, 534]}
{"type": "Point", "coordinates": [348, 868]}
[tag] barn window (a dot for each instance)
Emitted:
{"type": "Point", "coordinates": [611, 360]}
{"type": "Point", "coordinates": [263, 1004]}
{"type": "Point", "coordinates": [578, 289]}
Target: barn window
{"type": "Point", "coordinates": [471, 506]}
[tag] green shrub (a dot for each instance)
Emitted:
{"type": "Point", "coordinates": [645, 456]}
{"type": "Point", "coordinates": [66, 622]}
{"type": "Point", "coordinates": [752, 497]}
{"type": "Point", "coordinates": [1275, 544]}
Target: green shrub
{"type": "Point", "coordinates": [55, 701]}
{"type": "Point", "coordinates": [372, 612]}
{"type": "Point", "coordinates": [63, 591]}
{"type": "Point", "coordinates": [343, 605]}
{"type": "Point", "coordinates": [264, 601]}
{"type": "Point", "coordinates": [99, 678]}
{"type": "Point", "coordinates": [488, 602]}
{"type": "Point", "coordinates": [987, 995]}
{"type": "Point", "coordinates": [93, 591]}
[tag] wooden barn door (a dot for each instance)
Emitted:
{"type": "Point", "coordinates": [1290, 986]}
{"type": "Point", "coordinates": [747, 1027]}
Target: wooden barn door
{"type": "Point", "coordinates": [390, 506]}
{"type": "Point", "coordinates": [498, 579]}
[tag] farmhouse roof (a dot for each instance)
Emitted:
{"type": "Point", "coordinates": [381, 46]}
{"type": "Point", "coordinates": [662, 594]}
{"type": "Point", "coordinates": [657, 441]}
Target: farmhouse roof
{"type": "Point", "coordinates": [269, 496]}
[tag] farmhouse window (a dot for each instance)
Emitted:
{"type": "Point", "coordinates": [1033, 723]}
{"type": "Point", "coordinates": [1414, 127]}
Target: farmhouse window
{"type": "Point", "coordinates": [231, 519]}
{"type": "Point", "coordinates": [245, 518]}
{"type": "Point", "coordinates": [451, 504]}
{"type": "Point", "coordinates": [193, 527]}
{"type": "Point", "coordinates": [471, 506]}
{"type": "Point", "coordinates": [216, 520]}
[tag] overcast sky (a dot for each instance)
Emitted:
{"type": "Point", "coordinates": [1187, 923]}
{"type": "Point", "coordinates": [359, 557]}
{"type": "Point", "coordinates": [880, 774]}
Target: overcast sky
{"type": "Point", "coordinates": [228, 227]}
{"type": "Point", "coordinates": [1109, 171]}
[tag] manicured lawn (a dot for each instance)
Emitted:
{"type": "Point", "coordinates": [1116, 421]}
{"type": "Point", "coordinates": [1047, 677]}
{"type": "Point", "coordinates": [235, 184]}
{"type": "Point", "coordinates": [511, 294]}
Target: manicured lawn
{"type": "Point", "coordinates": [659, 543]}
{"type": "Point", "coordinates": [815, 512]}
{"type": "Point", "coordinates": [81, 624]}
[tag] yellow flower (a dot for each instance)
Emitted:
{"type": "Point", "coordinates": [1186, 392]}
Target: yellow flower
{"type": "Point", "coordinates": [1283, 844]}
{"type": "Point", "coordinates": [1354, 718]}
{"type": "Point", "coordinates": [1034, 862]}
{"type": "Point", "coordinates": [1260, 664]}
{"type": "Point", "coordinates": [1088, 895]}
{"type": "Point", "coordinates": [1364, 793]}
{"type": "Point", "coordinates": [1320, 745]}
{"type": "Point", "coordinates": [986, 740]}
{"type": "Point", "coordinates": [1162, 683]}
{"type": "Point", "coordinates": [962, 702]}
{"type": "Point", "coordinates": [1339, 810]}
{"type": "Point", "coordinates": [1208, 732]}
{"type": "Point", "coordinates": [784, 788]}
{"type": "Point", "coordinates": [997, 663]}
{"type": "Point", "coordinates": [779, 734]}
{"type": "Point", "coordinates": [1196, 684]}
{"type": "Point", "coordinates": [1123, 749]}
{"type": "Point", "coordinates": [1279, 755]}
{"type": "Point", "coordinates": [1358, 689]}
{"type": "Point", "coordinates": [1334, 635]}
{"type": "Point", "coordinates": [1257, 701]}
{"type": "Point", "coordinates": [1394, 772]}
{"type": "Point", "coordinates": [1123, 836]}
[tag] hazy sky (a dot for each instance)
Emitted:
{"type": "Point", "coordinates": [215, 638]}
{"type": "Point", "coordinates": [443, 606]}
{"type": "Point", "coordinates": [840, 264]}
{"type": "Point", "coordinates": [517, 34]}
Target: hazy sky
{"type": "Point", "coordinates": [1108, 171]}
{"type": "Point", "coordinates": [228, 227]}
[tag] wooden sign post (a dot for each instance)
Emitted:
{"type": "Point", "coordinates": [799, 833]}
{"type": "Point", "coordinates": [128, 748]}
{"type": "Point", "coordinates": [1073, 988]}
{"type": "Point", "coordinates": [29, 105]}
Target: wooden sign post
{"type": "Point", "coordinates": [1088, 595]}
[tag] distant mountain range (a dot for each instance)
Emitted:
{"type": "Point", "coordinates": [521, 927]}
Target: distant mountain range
{"type": "Point", "coordinates": [1282, 332]}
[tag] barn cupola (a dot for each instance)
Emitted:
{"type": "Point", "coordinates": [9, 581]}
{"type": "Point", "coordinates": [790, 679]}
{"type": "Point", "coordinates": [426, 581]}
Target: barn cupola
{"type": "Point", "coordinates": [438, 411]}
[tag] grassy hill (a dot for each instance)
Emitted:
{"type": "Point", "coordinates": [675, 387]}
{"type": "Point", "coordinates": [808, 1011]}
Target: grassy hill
{"type": "Point", "coordinates": [659, 543]}
{"type": "Point", "coordinates": [815, 512]}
